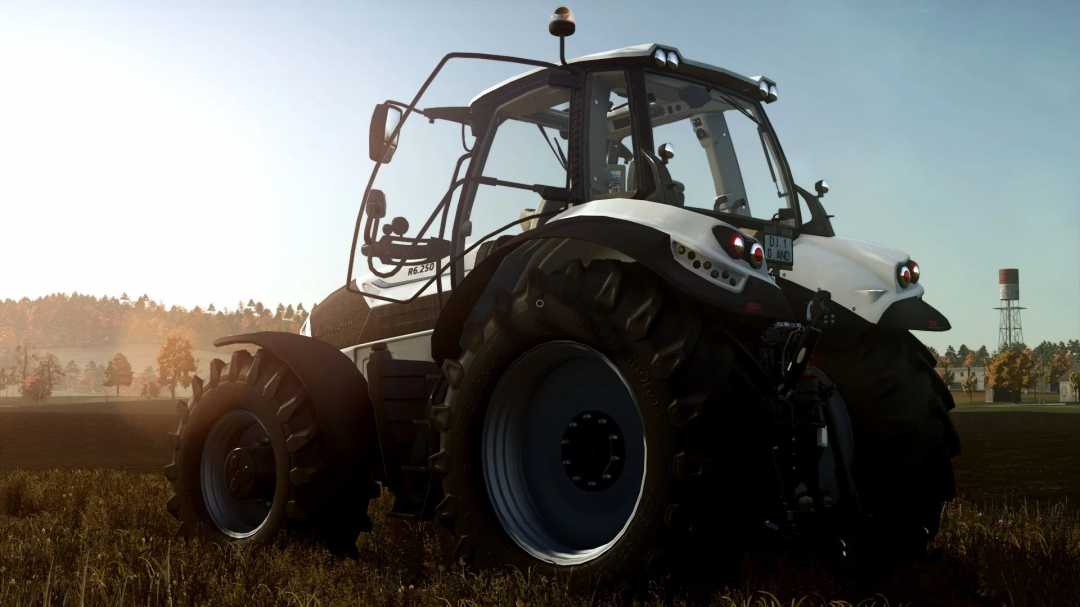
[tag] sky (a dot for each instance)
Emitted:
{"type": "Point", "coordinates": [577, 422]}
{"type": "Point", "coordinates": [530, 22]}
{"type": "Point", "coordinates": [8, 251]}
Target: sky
{"type": "Point", "coordinates": [216, 151]}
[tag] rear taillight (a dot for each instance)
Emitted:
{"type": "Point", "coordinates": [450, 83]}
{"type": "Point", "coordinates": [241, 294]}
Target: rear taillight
{"type": "Point", "coordinates": [757, 256]}
{"type": "Point", "coordinates": [914, 271]}
{"type": "Point", "coordinates": [736, 246]}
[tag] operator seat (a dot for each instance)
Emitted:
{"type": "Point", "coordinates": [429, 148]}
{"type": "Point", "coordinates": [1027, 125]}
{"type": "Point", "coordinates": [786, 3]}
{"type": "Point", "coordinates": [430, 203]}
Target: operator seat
{"type": "Point", "coordinates": [544, 206]}
{"type": "Point", "coordinates": [668, 191]}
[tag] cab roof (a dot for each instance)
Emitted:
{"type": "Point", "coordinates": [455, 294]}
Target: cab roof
{"type": "Point", "coordinates": [644, 52]}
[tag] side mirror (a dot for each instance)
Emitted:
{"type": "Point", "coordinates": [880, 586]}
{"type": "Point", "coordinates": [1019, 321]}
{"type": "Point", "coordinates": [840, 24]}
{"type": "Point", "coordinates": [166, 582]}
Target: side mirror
{"type": "Point", "coordinates": [666, 152]}
{"type": "Point", "coordinates": [376, 204]}
{"type": "Point", "coordinates": [382, 141]}
{"type": "Point", "coordinates": [821, 188]}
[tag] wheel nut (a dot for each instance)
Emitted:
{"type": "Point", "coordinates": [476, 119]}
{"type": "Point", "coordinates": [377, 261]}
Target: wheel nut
{"type": "Point", "coordinates": [602, 421]}
{"type": "Point", "coordinates": [577, 479]}
{"type": "Point", "coordinates": [573, 424]}
{"type": "Point", "coordinates": [586, 417]}
{"type": "Point", "coordinates": [566, 462]}
{"type": "Point", "coordinates": [606, 476]}
{"type": "Point", "coordinates": [613, 437]}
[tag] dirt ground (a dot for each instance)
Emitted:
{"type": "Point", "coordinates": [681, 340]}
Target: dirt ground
{"type": "Point", "coordinates": [1007, 453]}
{"type": "Point", "coordinates": [1018, 455]}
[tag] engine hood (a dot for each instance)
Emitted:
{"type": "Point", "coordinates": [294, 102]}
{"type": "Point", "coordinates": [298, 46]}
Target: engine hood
{"type": "Point", "coordinates": [860, 275]}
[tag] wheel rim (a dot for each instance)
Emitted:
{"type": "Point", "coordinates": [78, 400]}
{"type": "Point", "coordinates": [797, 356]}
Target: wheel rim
{"type": "Point", "coordinates": [564, 453]}
{"type": "Point", "coordinates": [238, 474]}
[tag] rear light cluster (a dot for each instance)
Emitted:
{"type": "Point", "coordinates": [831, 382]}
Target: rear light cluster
{"type": "Point", "coordinates": [703, 264]}
{"type": "Point", "coordinates": [907, 274]}
{"type": "Point", "coordinates": [740, 247]}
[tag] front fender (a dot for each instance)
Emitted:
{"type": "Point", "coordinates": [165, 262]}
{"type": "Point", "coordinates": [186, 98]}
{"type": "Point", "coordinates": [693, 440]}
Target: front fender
{"type": "Point", "coordinates": [336, 388]}
{"type": "Point", "coordinates": [861, 277]}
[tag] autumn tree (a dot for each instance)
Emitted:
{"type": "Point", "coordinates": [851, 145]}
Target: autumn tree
{"type": "Point", "coordinates": [301, 313]}
{"type": "Point", "coordinates": [969, 385]}
{"type": "Point", "coordinates": [91, 379]}
{"type": "Point", "coordinates": [1010, 370]}
{"type": "Point", "coordinates": [969, 360]}
{"type": "Point", "coordinates": [118, 373]}
{"type": "Point", "coordinates": [211, 309]}
{"type": "Point", "coordinates": [71, 374]}
{"type": "Point", "coordinates": [175, 363]}
{"type": "Point", "coordinates": [26, 358]}
{"type": "Point", "coordinates": [982, 354]}
{"type": "Point", "coordinates": [1074, 383]}
{"type": "Point", "coordinates": [946, 375]}
{"type": "Point", "coordinates": [279, 314]}
{"type": "Point", "coordinates": [38, 386]}
{"type": "Point", "coordinates": [148, 385]}
{"type": "Point", "coordinates": [3, 379]}
{"type": "Point", "coordinates": [951, 358]}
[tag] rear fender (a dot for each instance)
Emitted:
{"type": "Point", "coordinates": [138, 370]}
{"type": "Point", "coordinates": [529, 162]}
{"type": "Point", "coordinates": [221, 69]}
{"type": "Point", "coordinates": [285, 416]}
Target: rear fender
{"type": "Point", "coordinates": [336, 388]}
{"type": "Point", "coordinates": [756, 299]}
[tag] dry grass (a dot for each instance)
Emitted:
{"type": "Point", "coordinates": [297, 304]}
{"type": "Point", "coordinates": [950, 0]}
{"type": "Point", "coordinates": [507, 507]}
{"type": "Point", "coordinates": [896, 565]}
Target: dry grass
{"type": "Point", "coordinates": [101, 537]}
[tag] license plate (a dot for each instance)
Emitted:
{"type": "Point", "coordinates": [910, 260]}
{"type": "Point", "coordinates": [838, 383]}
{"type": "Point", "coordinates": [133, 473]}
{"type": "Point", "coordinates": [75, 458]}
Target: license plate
{"type": "Point", "coordinates": [778, 251]}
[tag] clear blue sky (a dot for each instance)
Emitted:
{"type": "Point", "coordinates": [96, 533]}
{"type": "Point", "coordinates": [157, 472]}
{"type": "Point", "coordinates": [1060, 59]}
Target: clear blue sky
{"type": "Point", "coordinates": [216, 151]}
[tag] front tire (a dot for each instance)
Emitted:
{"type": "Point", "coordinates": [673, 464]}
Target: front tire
{"type": "Point", "coordinates": [249, 461]}
{"type": "Point", "coordinates": [904, 438]}
{"type": "Point", "coordinates": [573, 440]}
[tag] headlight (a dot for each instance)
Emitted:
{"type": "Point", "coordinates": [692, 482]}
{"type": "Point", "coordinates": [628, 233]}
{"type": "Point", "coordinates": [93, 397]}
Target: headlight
{"type": "Point", "coordinates": [672, 60]}
{"type": "Point", "coordinates": [763, 88]}
{"type": "Point", "coordinates": [772, 93]}
{"type": "Point", "coordinates": [661, 57]}
{"type": "Point", "coordinates": [903, 276]}
{"type": "Point", "coordinates": [915, 272]}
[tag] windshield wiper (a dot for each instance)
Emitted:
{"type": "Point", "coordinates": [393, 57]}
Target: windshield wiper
{"type": "Point", "coordinates": [558, 154]}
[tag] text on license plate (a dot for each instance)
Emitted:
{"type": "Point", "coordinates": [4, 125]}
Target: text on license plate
{"type": "Point", "coordinates": [777, 249]}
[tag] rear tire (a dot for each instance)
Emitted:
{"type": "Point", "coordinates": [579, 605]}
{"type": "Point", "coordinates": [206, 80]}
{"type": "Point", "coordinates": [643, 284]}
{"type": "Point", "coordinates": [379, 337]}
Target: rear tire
{"type": "Point", "coordinates": [249, 461]}
{"type": "Point", "coordinates": [602, 342]}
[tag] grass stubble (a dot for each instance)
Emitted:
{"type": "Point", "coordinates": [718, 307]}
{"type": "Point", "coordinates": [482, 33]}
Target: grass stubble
{"type": "Point", "coordinates": [102, 537]}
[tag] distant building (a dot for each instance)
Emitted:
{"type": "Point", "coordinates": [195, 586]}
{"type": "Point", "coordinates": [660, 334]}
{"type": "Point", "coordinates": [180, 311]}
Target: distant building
{"type": "Point", "coordinates": [962, 373]}
{"type": "Point", "coordinates": [1068, 395]}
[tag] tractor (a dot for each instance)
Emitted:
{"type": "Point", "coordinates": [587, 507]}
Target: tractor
{"type": "Point", "coordinates": [663, 360]}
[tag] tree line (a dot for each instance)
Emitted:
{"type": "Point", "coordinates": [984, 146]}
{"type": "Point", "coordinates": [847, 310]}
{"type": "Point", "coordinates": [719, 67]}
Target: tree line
{"type": "Point", "coordinates": [34, 375]}
{"type": "Point", "coordinates": [61, 320]}
{"type": "Point", "coordinates": [1015, 368]}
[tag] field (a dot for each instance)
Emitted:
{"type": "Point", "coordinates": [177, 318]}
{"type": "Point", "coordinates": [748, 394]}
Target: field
{"type": "Point", "coordinates": [101, 536]}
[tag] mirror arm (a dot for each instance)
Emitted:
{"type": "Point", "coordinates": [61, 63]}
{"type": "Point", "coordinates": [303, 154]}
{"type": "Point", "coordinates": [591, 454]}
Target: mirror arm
{"type": "Point", "coordinates": [405, 116]}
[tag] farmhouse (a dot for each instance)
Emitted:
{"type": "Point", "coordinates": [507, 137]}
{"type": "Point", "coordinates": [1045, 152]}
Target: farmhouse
{"type": "Point", "coordinates": [962, 373]}
{"type": "Point", "coordinates": [1068, 395]}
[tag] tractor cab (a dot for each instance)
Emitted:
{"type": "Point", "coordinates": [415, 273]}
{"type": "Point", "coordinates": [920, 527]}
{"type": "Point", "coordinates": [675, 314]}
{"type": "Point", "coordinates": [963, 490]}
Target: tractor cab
{"type": "Point", "coordinates": [641, 123]}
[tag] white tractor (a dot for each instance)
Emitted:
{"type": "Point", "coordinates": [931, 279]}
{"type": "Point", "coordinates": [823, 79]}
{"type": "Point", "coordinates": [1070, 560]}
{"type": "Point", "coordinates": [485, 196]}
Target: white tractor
{"type": "Point", "coordinates": [667, 359]}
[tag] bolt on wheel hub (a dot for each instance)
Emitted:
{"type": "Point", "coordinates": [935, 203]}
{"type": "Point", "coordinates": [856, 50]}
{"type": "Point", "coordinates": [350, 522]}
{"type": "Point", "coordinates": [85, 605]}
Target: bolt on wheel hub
{"type": "Point", "coordinates": [246, 472]}
{"type": "Point", "coordinates": [593, 451]}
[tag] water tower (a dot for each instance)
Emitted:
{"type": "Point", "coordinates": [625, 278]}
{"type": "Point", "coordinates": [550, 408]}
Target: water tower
{"type": "Point", "coordinates": [1010, 332]}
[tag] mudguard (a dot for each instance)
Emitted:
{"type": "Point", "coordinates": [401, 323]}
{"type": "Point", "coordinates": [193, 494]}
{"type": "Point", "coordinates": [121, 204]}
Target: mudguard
{"type": "Point", "coordinates": [335, 386]}
{"type": "Point", "coordinates": [759, 297]}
